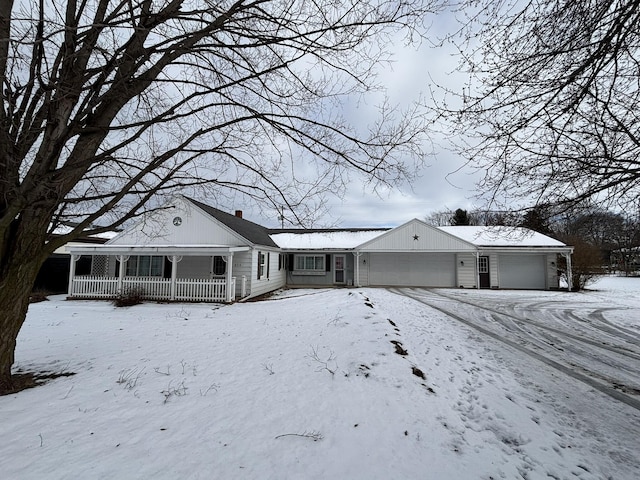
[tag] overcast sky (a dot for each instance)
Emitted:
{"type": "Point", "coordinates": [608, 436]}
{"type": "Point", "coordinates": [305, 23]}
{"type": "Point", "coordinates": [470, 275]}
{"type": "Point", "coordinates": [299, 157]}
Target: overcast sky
{"type": "Point", "coordinates": [441, 185]}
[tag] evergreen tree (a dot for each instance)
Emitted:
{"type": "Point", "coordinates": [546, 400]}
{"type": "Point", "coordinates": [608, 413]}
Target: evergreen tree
{"type": "Point", "coordinates": [460, 217]}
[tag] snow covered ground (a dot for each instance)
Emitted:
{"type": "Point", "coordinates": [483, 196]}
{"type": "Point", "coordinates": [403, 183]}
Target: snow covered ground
{"type": "Point", "coordinates": [327, 384]}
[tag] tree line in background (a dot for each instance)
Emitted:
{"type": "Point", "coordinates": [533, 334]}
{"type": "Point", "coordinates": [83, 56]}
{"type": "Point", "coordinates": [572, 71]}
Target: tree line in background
{"type": "Point", "coordinates": [604, 241]}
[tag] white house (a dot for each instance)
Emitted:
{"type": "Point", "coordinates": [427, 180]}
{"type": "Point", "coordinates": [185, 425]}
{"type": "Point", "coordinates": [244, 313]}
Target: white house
{"type": "Point", "coordinates": [190, 251]}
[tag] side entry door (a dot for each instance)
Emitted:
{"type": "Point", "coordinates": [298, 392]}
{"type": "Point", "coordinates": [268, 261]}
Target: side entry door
{"type": "Point", "coordinates": [338, 269]}
{"type": "Point", "coordinates": [483, 272]}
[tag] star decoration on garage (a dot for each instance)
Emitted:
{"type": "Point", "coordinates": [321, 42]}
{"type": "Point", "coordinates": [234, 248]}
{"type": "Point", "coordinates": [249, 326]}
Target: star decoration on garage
{"type": "Point", "coordinates": [416, 236]}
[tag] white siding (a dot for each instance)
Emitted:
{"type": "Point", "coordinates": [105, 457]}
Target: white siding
{"type": "Point", "coordinates": [416, 236]}
{"type": "Point", "coordinates": [552, 271]}
{"type": "Point", "coordinates": [275, 280]}
{"type": "Point", "coordinates": [197, 228]}
{"type": "Point", "coordinates": [467, 273]}
{"type": "Point", "coordinates": [494, 274]}
{"type": "Point", "coordinates": [363, 274]}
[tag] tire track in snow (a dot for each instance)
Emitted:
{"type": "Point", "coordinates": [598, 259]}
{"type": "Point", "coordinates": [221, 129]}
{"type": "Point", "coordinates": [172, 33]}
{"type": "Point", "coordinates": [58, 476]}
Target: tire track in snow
{"type": "Point", "coordinates": [606, 389]}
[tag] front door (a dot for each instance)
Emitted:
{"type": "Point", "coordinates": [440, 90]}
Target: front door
{"type": "Point", "coordinates": [338, 268]}
{"type": "Point", "coordinates": [483, 272]}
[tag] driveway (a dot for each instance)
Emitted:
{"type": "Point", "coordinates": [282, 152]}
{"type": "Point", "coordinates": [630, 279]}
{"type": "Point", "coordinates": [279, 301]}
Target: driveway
{"type": "Point", "coordinates": [576, 335]}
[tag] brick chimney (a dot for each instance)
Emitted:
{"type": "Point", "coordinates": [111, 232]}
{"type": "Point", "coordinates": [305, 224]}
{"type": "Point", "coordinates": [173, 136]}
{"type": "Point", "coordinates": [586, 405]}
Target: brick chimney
{"type": "Point", "coordinates": [239, 213]}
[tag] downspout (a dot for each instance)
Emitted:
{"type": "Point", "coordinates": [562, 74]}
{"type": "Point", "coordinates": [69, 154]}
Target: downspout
{"type": "Point", "coordinates": [477, 255]}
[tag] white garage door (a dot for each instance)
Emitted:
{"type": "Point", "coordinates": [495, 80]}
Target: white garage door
{"type": "Point", "coordinates": [412, 269]}
{"type": "Point", "coordinates": [522, 271]}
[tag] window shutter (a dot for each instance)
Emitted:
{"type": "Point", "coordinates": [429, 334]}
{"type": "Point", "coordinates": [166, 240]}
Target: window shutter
{"type": "Point", "coordinates": [258, 269]}
{"type": "Point", "coordinates": [290, 265]}
{"type": "Point", "coordinates": [268, 259]}
{"type": "Point", "coordinates": [327, 263]}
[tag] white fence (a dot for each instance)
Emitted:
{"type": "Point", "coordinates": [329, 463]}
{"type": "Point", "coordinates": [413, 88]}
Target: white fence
{"type": "Point", "coordinates": [153, 288]}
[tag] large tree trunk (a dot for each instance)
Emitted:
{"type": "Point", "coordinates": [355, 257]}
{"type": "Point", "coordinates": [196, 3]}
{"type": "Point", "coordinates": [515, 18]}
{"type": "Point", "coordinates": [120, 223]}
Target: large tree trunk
{"type": "Point", "coordinates": [15, 288]}
{"type": "Point", "coordinates": [23, 254]}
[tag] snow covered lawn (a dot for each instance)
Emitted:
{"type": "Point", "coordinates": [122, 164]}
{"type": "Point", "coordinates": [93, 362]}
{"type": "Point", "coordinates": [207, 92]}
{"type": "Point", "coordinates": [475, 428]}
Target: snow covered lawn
{"type": "Point", "coordinates": [310, 385]}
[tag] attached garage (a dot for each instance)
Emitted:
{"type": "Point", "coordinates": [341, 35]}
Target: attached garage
{"type": "Point", "coordinates": [412, 269]}
{"type": "Point", "coordinates": [419, 255]}
{"type": "Point", "coordinates": [416, 254]}
{"type": "Point", "coordinates": [522, 271]}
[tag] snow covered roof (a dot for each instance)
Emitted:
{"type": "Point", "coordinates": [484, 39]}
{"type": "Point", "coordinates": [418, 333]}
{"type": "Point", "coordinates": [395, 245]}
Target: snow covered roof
{"type": "Point", "coordinates": [353, 238]}
{"type": "Point", "coordinates": [325, 239]}
{"type": "Point", "coordinates": [65, 229]}
{"type": "Point", "coordinates": [502, 236]}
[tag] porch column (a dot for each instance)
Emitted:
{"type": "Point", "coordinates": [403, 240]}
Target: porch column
{"type": "Point", "coordinates": [567, 256]}
{"type": "Point", "coordinates": [121, 270]}
{"type": "Point", "coordinates": [230, 295]}
{"type": "Point", "coordinates": [72, 272]}
{"type": "Point", "coordinates": [477, 255]}
{"type": "Point", "coordinates": [174, 275]}
{"type": "Point", "coordinates": [356, 281]}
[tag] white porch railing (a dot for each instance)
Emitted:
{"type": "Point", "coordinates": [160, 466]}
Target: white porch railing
{"type": "Point", "coordinates": [92, 286]}
{"type": "Point", "coordinates": [153, 288]}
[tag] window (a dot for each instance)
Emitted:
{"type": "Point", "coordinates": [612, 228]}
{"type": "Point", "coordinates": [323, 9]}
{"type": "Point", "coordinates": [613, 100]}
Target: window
{"type": "Point", "coordinates": [311, 263]}
{"type": "Point", "coordinates": [145, 266]}
{"type": "Point", "coordinates": [483, 265]}
{"type": "Point", "coordinates": [219, 265]}
{"type": "Point", "coordinates": [263, 265]}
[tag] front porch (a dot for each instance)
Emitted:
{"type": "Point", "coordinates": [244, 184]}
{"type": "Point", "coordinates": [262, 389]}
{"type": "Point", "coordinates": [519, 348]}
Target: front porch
{"type": "Point", "coordinates": [117, 271]}
{"type": "Point", "coordinates": [184, 289]}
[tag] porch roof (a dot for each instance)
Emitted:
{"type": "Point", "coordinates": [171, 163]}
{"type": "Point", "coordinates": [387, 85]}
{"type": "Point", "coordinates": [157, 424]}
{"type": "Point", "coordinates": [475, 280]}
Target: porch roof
{"type": "Point", "coordinates": [184, 250]}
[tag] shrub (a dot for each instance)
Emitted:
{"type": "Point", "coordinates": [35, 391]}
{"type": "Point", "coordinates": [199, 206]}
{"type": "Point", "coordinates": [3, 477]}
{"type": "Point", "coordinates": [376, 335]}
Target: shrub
{"type": "Point", "coordinates": [586, 263]}
{"type": "Point", "coordinates": [38, 296]}
{"type": "Point", "coordinates": [129, 297]}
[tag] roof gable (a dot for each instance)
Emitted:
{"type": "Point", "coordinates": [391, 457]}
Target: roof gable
{"type": "Point", "coordinates": [254, 233]}
{"type": "Point", "coordinates": [416, 235]}
{"type": "Point", "coordinates": [196, 226]}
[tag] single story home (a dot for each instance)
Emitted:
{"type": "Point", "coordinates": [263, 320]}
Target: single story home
{"type": "Point", "coordinates": [190, 251]}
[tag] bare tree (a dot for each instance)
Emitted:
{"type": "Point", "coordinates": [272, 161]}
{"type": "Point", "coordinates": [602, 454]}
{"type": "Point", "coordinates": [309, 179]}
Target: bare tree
{"type": "Point", "coordinates": [439, 219]}
{"type": "Point", "coordinates": [550, 113]}
{"type": "Point", "coordinates": [586, 262]}
{"type": "Point", "coordinates": [108, 105]}
{"type": "Point", "coordinates": [626, 246]}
